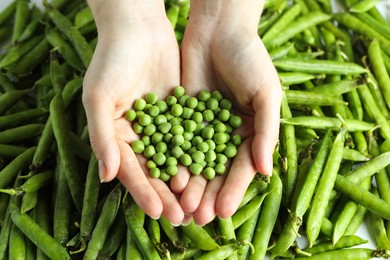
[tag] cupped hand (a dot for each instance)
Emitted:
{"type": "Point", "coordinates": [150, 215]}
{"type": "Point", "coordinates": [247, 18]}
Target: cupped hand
{"type": "Point", "coordinates": [136, 57]}
{"type": "Point", "coordinates": [233, 60]}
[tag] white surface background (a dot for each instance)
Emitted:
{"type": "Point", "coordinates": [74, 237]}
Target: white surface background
{"type": "Point", "coordinates": [384, 7]}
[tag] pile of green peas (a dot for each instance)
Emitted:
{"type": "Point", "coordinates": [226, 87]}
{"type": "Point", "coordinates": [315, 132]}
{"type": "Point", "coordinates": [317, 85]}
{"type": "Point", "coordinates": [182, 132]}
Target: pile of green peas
{"type": "Point", "coordinates": [196, 132]}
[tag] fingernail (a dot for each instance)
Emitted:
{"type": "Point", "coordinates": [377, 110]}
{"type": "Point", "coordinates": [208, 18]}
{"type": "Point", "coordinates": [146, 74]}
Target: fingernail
{"type": "Point", "coordinates": [175, 225]}
{"type": "Point", "coordinates": [269, 166]}
{"type": "Point", "coordinates": [102, 169]}
{"type": "Point", "coordinates": [155, 218]}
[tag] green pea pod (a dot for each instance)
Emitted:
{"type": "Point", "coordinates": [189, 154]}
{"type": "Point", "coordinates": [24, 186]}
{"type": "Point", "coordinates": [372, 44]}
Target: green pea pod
{"type": "Point", "coordinates": [199, 236]}
{"type": "Point", "coordinates": [7, 12]}
{"type": "Point", "coordinates": [353, 253]}
{"type": "Point", "coordinates": [363, 6]}
{"type": "Point", "coordinates": [292, 78]}
{"type": "Point", "coordinates": [115, 236]}
{"type": "Point", "coordinates": [29, 201]}
{"type": "Point", "coordinates": [17, 244]}
{"type": "Point", "coordinates": [83, 17]}
{"type": "Point", "coordinates": [11, 151]}
{"type": "Point", "coordinates": [30, 29]}
{"type": "Point", "coordinates": [171, 232]}
{"type": "Point", "coordinates": [223, 252]}
{"type": "Point", "coordinates": [173, 14]}
{"type": "Point", "coordinates": [344, 242]}
{"type": "Point", "coordinates": [22, 16]}
{"type": "Point", "coordinates": [302, 97]}
{"type": "Point", "coordinates": [19, 118]}
{"type": "Point", "coordinates": [8, 99]}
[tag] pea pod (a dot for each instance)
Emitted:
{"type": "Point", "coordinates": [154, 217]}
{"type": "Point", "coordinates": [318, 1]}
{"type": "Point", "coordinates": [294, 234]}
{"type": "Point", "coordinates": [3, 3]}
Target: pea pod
{"type": "Point", "coordinates": [19, 118]}
{"type": "Point", "coordinates": [17, 244]}
{"type": "Point", "coordinates": [199, 236]}
{"type": "Point", "coordinates": [7, 12]}
{"type": "Point", "coordinates": [8, 99]}
{"type": "Point", "coordinates": [354, 253]}
{"type": "Point", "coordinates": [21, 18]}
{"type": "Point", "coordinates": [312, 98]}
{"type": "Point", "coordinates": [363, 6]}
{"type": "Point", "coordinates": [20, 133]}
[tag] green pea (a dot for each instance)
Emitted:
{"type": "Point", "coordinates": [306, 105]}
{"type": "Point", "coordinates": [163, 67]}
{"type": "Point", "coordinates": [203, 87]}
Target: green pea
{"type": "Point", "coordinates": [220, 127]}
{"type": "Point", "coordinates": [177, 152]}
{"type": "Point", "coordinates": [168, 137]}
{"type": "Point", "coordinates": [164, 176]}
{"type": "Point", "coordinates": [217, 95]}
{"type": "Point", "coordinates": [208, 115]}
{"type": "Point", "coordinates": [186, 145]}
{"type": "Point", "coordinates": [171, 161]}
{"type": "Point", "coordinates": [150, 130]}
{"type": "Point", "coordinates": [140, 104]}
{"type": "Point", "coordinates": [177, 140]}
{"type": "Point", "coordinates": [145, 120]}
{"type": "Point", "coordinates": [138, 128]}
{"type": "Point", "coordinates": [188, 136]}
{"type": "Point", "coordinates": [150, 164]}
{"type": "Point", "coordinates": [235, 121]}
{"type": "Point", "coordinates": [237, 140]}
{"type": "Point", "coordinates": [197, 117]}
{"type": "Point", "coordinates": [171, 100]}
{"type": "Point", "coordinates": [210, 156]}
{"type": "Point", "coordinates": [203, 163]}
{"type": "Point", "coordinates": [198, 157]}
{"type": "Point", "coordinates": [183, 100]}
{"type": "Point", "coordinates": [226, 104]}
{"type": "Point", "coordinates": [159, 158]}
{"type": "Point", "coordinates": [138, 114]}
{"type": "Point", "coordinates": [192, 150]}
{"type": "Point", "coordinates": [203, 147]}
{"type": "Point", "coordinates": [204, 95]}
{"type": "Point", "coordinates": [211, 144]}
{"type": "Point", "coordinates": [215, 122]}
{"type": "Point", "coordinates": [161, 147]}
{"type": "Point", "coordinates": [149, 151]}
{"type": "Point", "coordinates": [229, 129]}
{"type": "Point", "coordinates": [157, 138]}
{"type": "Point", "coordinates": [151, 98]}
{"type": "Point", "coordinates": [190, 125]}
{"type": "Point", "coordinates": [187, 112]}
{"type": "Point", "coordinates": [160, 119]}
{"type": "Point", "coordinates": [192, 102]}
{"type": "Point", "coordinates": [153, 111]}
{"type": "Point", "coordinates": [211, 164]}
{"type": "Point", "coordinates": [221, 159]}
{"type": "Point", "coordinates": [146, 140]}
{"type": "Point", "coordinates": [224, 115]}
{"type": "Point", "coordinates": [176, 110]}
{"type": "Point", "coordinates": [179, 91]}
{"type": "Point", "coordinates": [176, 121]}
{"type": "Point", "coordinates": [212, 104]}
{"type": "Point", "coordinates": [196, 168]}
{"type": "Point", "coordinates": [130, 115]}
{"type": "Point", "coordinates": [208, 132]}
{"type": "Point", "coordinates": [169, 116]}
{"type": "Point", "coordinates": [138, 146]}
{"type": "Point", "coordinates": [220, 138]}
{"type": "Point", "coordinates": [162, 106]}
{"type": "Point", "coordinates": [197, 140]}
{"type": "Point", "coordinates": [155, 172]}
{"type": "Point", "coordinates": [172, 170]}
{"type": "Point", "coordinates": [220, 168]}
{"type": "Point", "coordinates": [164, 127]}
{"type": "Point", "coordinates": [147, 106]}
{"type": "Point", "coordinates": [217, 111]}
{"type": "Point", "coordinates": [186, 159]}
{"type": "Point", "coordinates": [220, 148]}
{"type": "Point", "coordinates": [201, 106]}
{"type": "Point", "coordinates": [230, 151]}
{"type": "Point", "coordinates": [177, 130]}
{"type": "Point", "coordinates": [209, 173]}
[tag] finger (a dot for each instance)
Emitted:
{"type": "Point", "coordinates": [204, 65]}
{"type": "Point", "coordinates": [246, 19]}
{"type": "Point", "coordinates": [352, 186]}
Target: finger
{"type": "Point", "coordinates": [192, 195]}
{"type": "Point", "coordinates": [266, 105]}
{"type": "Point", "coordinates": [133, 178]}
{"type": "Point", "coordinates": [99, 111]}
{"type": "Point", "coordinates": [179, 182]}
{"type": "Point", "coordinates": [240, 175]}
{"type": "Point", "coordinates": [206, 210]}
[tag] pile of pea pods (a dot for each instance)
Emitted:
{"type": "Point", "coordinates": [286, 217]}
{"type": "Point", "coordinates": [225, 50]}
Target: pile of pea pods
{"type": "Point", "coordinates": [331, 165]}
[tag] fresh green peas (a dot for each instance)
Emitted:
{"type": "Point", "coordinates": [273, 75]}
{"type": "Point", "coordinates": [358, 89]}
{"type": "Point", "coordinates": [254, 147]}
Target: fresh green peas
{"type": "Point", "coordinates": [186, 145]}
{"type": "Point", "coordinates": [150, 130]}
{"type": "Point", "coordinates": [183, 100]}
{"type": "Point", "coordinates": [199, 128]}
{"type": "Point", "coordinates": [155, 172]}
{"type": "Point", "coordinates": [192, 102]}
{"type": "Point", "coordinates": [146, 140]}
{"type": "Point", "coordinates": [198, 157]}
{"type": "Point", "coordinates": [153, 111]}
{"type": "Point", "coordinates": [164, 127]}
{"type": "Point", "coordinates": [217, 111]}
{"type": "Point", "coordinates": [164, 176]}
{"type": "Point", "coordinates": [220, 138]}
{"type": "Point", "coordinates": [157, 138]}
{"type": "Point", "coordinates": [176, 110]}
{"type": "Point", "coordinates": [220, 148]}
{"type": "Point", "coordinates": [221, 158]}
{"type": "Point", "coordinates": [138, 146]}
{"type": "Point", "coordinates": [140, 104]}
{"type": "Point", "coordinates": [209, 173]}
{"type": "Point", "coordinates": [145, 120]}
{"type": "Point", "coordinates": [229, 129]}
{"type": "Point", "coordinates": [147, 106]}
{"type": "Point", "coordinates": [192, 150]}
{"type": "Point", "coordinates": [161, 147]}
{"type": "Point", "coordinates": [187, 112]}
{"type": "Point", "coordinates": [172, 170]}
{"type": "Point", "coordinates": [217, 95]}
{"type": "Point", "coordinates": [230, 151]}
{"type": "Point", "coordinates": [220, 168]}
{"type": "Point", "coordinates": [177, 130]}
{"type": "Point", "coordinates": [211, 144]}
{"type": "Point", "coordinates": [203, 147]}
{"type": "Point", "coordinates": [151, 98]}
{"type": "Point", "coordinates": [237, 140]}
{"type": "Point", "coordinates": [177, 140]}
{"type": "Point", "coordinates": [211, 164]}
{"type": "Point", "coordinates": [171, 100]}
{"type": "Point", "coordinates": [176, 121]}
{"type": "Point", "coordinates": [190, 125]}
{"type": "Point", "coordinates": [197, 117]}
{"type": "Point", "coordinates": [130, 115]}
{"type": "Point", "coordinates": [177, 152]}
{"type": "Point", "coordinates": [171, 161]}
{"type": "Point", "coordinates": [179, 91]}
{"type": "Point", "coordinates": [196, 168]}
{"type": "Point", "coordinates": [138, 114]}
{"type": "Point", "coordinates": [160, 119]}
{"type": "Point", "coordinates": [204, 95]}
{"type": "Point", "coordinates": [220, 127]}
{"type": "Point", "coordinates": [208, 132]}
{"type": "Point", "coordinates": [186, 159]}
{"type": "Point", "coordinates": [138, 128]}
{"type": "Point", "coordinates": [212, 104]}
{"type": "Point", "coordinates": [188, 136]}
{"type": "Point", "coordinates": [197, 140]}
{"type": "Point", "coordinates": [235, 121]}
{"type": "Point", "coordinates": [159, 158]}
{"type": "Point", "coordinates": [210, 156]}
{"type": "Point", "coordinates": [208, 115]}
{"type": "Point", "coordinates": [162, 106]}
{"type": "Point", "coordinates": [201, 106]}
{"type": "Point", "coordinates": [224, 115]}
{"type": "Point", "coordinates": [226, 104]}
{"type": "Point", "coordinates": [149, 151]}
{"type": "Point", "coordinates": [151, 164]}
{"type": "Point", "coordinates": [167, 137]}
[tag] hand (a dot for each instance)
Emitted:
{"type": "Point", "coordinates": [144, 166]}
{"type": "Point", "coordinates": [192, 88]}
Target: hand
{"type": "Point", "coordinates": [134, 56]}
{"type": "Point", "coordinates": [229, 57]}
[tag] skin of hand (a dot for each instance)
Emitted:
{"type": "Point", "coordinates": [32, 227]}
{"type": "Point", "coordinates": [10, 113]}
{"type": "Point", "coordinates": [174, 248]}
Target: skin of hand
{"type": "Point", "coordinates": [221, 50]}
{"type": "Point", "coordinates": [137, 53]}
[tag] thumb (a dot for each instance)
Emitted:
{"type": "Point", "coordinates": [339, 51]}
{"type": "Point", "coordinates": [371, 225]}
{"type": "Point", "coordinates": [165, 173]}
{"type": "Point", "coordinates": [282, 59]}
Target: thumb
{"type": "Point", "coordinates": [99, 111]}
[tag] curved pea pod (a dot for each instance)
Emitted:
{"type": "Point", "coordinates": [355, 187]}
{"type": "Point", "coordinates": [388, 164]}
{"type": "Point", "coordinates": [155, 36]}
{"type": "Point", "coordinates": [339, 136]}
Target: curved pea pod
{"type": "Point", "coordinates": [344, 242]}
{"type": "Point", "coordinates": [292, 78]}
{"type": "Point", "coordinates": [223, 252]}
{"type": "Point", "coordinates": [7, 12]}
{"type": "Point", "coordinates": [8, 99]}
{"type": "Point", "coordinates": [20, 133]}
{"type": "Point", "coordinates": [353, 253]}
{"type": "Point", "coordinates": [37, 235]}
{"type": "Point", "coordinates": [324, 123]}
{"type": "Point", "coordinates": [22, 15]}
{"type": "Point", "coordinates": [303, 97]}
{"type": "Point", "coordinates": [83, 17]}
{"type": "Point", "coordinates": [199, 237]}
{"type": "Point", "coordinates": [363, 6]}
{"type": "Point", "coordinates": [377, 228]}
{"type": "Point", "coordinates": [11, 151]}
{"type": "Point", "coordinates": [19, 118]}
